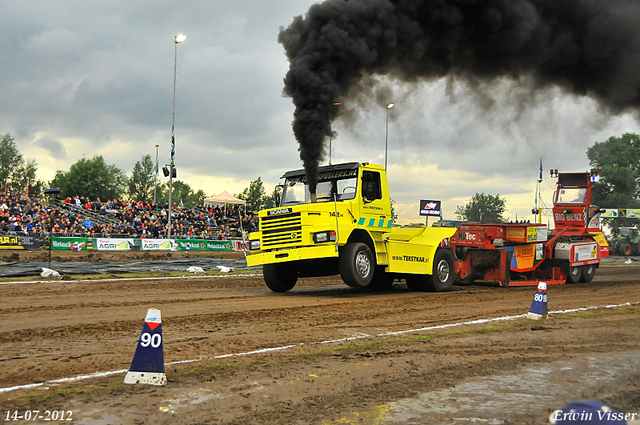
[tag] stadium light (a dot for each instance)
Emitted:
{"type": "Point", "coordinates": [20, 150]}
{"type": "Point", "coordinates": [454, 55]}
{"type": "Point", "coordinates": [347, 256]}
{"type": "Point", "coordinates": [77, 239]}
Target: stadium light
{"type": "Point", "coordinates": [177, 40]}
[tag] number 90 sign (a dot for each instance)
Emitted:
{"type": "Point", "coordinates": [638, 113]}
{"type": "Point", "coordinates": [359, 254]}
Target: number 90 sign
{"type": "Point", "coordinates": [147, 339]}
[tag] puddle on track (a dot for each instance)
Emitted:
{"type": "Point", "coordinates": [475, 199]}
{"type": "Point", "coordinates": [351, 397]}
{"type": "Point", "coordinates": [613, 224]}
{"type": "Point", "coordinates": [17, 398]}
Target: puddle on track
{"type": "Point", "coordinates": [493, 399]}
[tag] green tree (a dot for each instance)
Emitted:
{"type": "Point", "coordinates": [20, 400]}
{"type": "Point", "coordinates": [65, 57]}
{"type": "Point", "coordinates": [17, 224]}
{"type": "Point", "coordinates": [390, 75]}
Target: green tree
{"type": "Point", "coordinates": [618, 161]}
{"type": "Point", "coordinates": [256, 196]}
{"type": "Point", "coordinates": [182, 192]}
{"type": "Point", "coordinates": [142, 180]}
{"type": "Point", "coordinates": [17, 172]}
{"type": "Point", "coordinates": [483, 209]}
{"type": "Point", "coordinates": [10, 159]}
{"type": "Point", "coordinates": [92, 178]}
{"type": "Point", "coordinates": [26, 175]}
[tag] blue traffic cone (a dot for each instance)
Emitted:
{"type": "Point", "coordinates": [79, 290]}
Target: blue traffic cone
{"type": "Point", "coordinates": [147, 366]}
{"type": "Point", "coordinates": [539, 308]}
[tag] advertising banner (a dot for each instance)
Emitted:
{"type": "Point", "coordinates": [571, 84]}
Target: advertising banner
{"type": "Point", "coordinates": [237, 246]}
{"type": "Point", "coordinates": [115, 244]}
{"type": "Point", "coordinates": [204, 245]}
{"type": "Point", "coordinates": [537, 234]}
{"type": "Point", "coordinates": [32, 243]}
{"type": "Point", "coordinates": [525, 256]}
{"type": "Point", "coordinates": [157, 244]}
{"type": "Point", "coordinates": [430, 207]}
{"type": "Point", "coordinates": [630, 213]}
{"type": "Point", "coordinates": [610, 213]}
{"type": "Point", "coordinates": [69, 244]}
{"type": "Point", "coordinates": [10, 242]}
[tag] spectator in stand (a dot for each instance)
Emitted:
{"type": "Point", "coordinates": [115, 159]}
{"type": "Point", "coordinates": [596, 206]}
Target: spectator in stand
{"type": "Point", "coordinates": [87, 224]}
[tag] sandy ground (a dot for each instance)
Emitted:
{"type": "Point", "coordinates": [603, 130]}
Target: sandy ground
{"type": "Point", "coordinates": [58, 329]}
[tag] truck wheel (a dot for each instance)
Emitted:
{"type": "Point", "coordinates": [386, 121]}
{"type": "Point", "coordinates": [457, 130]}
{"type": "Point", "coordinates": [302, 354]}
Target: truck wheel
{"type": "Point", "coordinates": [444, 271]}
{"type": "Point", "coordinates": [573, 274]}
{"type": "Point", "coordinates": [442, 278]}
{"type": "Point", "coordinates": [588, 272]}
{"type": "Point", "coordinates": [279, 277]}
{"type": "Point", "coordinates": [624, 249]}
{"type": "Point", "coordinates": [635, 248]}
{"type": "Point", "coordinates": [356, 264]}
{"type": "Point", "coordinates": [381, 281]}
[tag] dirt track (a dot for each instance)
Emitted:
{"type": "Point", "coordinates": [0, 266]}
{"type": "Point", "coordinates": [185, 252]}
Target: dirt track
{"type": "Point", "coordinates": [55, 330]}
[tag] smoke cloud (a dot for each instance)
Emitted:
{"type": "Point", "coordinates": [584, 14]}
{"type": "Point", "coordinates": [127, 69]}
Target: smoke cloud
{"type": "Point", "coordinates": [585, 47]}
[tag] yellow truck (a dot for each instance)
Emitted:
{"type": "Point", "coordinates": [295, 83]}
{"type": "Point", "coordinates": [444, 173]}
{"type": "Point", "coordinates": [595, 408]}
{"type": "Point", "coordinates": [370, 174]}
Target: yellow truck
{"type": "Point", "coordinates": [345, 228]}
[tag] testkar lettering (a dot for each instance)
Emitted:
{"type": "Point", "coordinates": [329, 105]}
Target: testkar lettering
{"type": "Point", "coordinates": [411, 258]}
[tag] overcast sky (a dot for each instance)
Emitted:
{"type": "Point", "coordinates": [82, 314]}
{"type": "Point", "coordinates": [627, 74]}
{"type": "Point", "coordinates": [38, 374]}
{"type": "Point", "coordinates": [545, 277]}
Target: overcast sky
{"type": "Point", "coordinates": [81, 79]}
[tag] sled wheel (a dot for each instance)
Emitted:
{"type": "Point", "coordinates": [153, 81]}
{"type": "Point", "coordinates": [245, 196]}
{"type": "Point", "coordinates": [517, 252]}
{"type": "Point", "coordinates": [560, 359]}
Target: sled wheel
{"type": "Point", "coordinates": [588, 272]}
{"type": "Point", "coordinates": [279, 277]}
{"type": "Point", "coordinates": [356, 264]}
{"type": "Point", "coordinates": [573, 274]}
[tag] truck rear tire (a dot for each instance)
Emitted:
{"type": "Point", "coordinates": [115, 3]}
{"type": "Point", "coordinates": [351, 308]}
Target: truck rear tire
{"type": "Point", "coordinates": [442, 278]}
{"type": "Point", "coordinates": [356, 264]}
{"type": "Point", "coordinates": [279, 277]}
{"type": "Point", "coordinates": [574, 274]}
{"type": "Point", "coordinates": [588, 272]}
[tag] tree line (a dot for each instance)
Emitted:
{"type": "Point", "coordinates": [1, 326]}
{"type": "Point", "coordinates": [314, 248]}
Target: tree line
{"type": "Point", "coordinates": [617, 158]}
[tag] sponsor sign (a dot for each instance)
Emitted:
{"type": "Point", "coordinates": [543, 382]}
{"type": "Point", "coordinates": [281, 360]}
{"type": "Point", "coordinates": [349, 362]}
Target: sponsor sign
{"type": "Point", "coordinates": [237, 246]}
{"type": "Point", "coordinates": [66, 244]}
{"type": "Point", "coordinates": [112, 244]}
{"type": "Point", "coordinates": [585, 252]}
{"type": "Point", "coordinates": [515, 232]}
{"type": "Point", "coordinates": [429, 207]}
{"type": "Point", "coordinates": [523, 256]}
{"type": "Point", "coordinates": [157, 244]}
{"type": "Point", "coordinates": [610, 213]}
{"type": "Point", "coordinates": [10, 242]}
{"type": "Point", "coordinates": [32, 243]}
{"type": "Point", "coordinates": [630, 213]}
{"type": "Point", "coordinates": [204, 245]}
{"type": "Point", "coordinates": [537, 234]}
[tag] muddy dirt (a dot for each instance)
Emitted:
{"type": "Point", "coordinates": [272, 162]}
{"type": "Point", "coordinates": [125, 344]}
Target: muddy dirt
{"type": "Point", "coordinates": [371, 371]}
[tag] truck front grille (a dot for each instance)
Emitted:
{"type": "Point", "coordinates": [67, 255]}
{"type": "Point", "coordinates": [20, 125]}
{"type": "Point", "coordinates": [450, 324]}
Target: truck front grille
{"type": "Point", "coordinates": [281, 230]}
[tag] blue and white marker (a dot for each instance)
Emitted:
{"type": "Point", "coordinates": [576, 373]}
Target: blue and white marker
{"type": "Point", "coordinates": [147, 366]}
{"type": "Point", "coordinates": [539, 308]}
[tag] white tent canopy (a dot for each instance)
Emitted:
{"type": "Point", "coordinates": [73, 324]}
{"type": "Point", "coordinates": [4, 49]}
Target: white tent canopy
{"type": "Point", "coordinates": [224, 198]}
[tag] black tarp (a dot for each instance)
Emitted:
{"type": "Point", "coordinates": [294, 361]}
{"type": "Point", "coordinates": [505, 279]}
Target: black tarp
{"type": "Point", "coordinates": [31, 268]}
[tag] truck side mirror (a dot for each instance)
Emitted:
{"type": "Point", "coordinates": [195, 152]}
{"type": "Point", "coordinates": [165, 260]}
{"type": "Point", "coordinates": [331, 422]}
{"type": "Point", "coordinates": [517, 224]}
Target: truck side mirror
{"type": "Point", "coordinates": [277, 194]}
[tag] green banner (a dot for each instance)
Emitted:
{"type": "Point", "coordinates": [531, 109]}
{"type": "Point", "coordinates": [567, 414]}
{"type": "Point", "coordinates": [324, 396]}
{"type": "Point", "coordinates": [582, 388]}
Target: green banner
{"type": "Point", "coordinates": [630, 213]}
{"type": "Point", "coordinates": [204, 245]}
{"type": "Point", "coordinates": [69, 244]}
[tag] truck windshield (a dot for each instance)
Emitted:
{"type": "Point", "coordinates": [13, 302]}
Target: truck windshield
{"type": "Point", "coordinates": [571, 195]}
{"type": "Point", "coordinates": [296, 191]}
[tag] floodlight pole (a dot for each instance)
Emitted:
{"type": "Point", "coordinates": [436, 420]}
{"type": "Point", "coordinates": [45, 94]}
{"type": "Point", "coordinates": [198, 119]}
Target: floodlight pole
{"type": "Point", "coordinates": [177, 39]}
{"type": "Point", "coordinates": [155, 179]}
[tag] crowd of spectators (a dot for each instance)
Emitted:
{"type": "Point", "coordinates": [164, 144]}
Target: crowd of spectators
{"type": "Point", "coordinates": [80, 216]}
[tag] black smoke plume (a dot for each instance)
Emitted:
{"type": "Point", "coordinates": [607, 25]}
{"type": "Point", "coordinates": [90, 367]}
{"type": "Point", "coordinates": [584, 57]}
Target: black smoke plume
{"type": "Point", "coordinates": [586, 47]}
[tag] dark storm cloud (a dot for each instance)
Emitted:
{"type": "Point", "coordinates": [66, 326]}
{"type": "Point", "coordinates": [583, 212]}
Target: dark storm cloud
{"type": "Point", "coordinates": [54, 147]}
{"type": "Point", "coordinates": [586, 47]}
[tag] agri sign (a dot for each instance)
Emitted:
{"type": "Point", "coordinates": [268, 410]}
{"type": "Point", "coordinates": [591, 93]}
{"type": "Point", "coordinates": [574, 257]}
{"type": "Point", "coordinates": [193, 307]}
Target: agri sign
{"type": "Point", "coordinates": [113, 244]}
